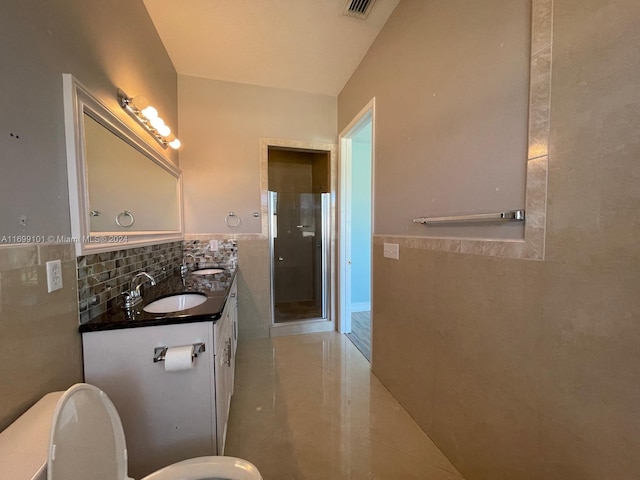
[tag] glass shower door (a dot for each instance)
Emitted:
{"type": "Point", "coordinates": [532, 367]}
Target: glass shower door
{"type": "Point", "coordinates": [299, 250]}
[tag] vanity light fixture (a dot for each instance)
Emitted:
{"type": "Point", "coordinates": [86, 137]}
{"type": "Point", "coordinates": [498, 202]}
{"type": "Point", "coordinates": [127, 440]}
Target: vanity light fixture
{"type": "Point", "coordinates": [139, 108]}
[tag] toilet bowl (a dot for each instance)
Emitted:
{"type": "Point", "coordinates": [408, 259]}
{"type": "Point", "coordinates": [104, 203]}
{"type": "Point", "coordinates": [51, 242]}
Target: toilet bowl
{"type": "Point", "coordinates": [87, 442]}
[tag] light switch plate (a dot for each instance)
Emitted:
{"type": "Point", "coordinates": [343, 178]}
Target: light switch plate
{"type": "Point", "coordinates": [54, 275]}
{"type": "Point", "coordinates": [392, 250]}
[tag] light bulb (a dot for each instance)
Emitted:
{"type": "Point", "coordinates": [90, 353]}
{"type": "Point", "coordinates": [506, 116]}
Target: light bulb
{"type": "Point", "coordinates": [175, 144]}
{"type": "Point", "coordinates": [149, 112]}
{"type": "Point", "coordinates": [156, 122]}
{"type": "Point", "coordinates": [164, 130]}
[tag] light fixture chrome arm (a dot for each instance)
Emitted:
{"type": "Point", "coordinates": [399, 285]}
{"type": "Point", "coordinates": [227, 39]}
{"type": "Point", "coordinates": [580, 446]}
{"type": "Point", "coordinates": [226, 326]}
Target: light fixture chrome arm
{"type": "Point", "coordinates": [139, 108]}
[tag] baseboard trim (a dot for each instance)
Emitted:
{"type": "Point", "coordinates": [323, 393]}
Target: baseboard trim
{"type": "Point", "coordinates": [361, 307]}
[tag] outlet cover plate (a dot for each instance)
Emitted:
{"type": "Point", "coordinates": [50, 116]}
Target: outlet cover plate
{"type": "Point", "coordinates": [54, 275]}
{"type": "Point", "coordinates": [392, 250]}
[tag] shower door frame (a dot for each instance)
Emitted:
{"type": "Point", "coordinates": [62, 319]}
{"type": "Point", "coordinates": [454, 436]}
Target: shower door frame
{"type": "Point", "coordinates": [309, 326]}
{"type": "Point", "coordinates": [325, 263]}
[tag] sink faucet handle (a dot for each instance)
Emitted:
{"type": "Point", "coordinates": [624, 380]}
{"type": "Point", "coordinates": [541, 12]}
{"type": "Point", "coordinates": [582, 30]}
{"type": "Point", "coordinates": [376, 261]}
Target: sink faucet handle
{"type": "Point", "coordinates": [183, 268]}
{"type": "Point", "coordinates": [184, 258]}
{"type": "Point", "coordinates": [127, 301]}
{"type": "Point", "coordinates": [136, 282]}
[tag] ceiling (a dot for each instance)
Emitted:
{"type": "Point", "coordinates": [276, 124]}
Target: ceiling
{"type": "Point", "coordinates": [305, 45]}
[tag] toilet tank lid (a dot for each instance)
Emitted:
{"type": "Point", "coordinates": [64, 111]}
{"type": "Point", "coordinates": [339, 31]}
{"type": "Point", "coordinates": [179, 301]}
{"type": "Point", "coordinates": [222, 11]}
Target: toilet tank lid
{"type": "Point", "coordinates": [24, 444]}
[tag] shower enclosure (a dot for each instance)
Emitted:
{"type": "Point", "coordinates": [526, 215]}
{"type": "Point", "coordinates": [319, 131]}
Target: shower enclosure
{"type": "Point", "coordinates": [299, 235]}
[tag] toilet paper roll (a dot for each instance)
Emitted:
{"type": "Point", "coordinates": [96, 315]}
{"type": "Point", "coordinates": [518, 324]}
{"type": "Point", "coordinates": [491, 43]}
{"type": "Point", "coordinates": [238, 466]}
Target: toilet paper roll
{"type": "Point", "coordinates": [178, 358]}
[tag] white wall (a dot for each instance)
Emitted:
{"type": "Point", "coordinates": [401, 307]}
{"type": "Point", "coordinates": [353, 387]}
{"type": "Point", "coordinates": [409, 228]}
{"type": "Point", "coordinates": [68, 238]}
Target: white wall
{"type": "Point", "coordinates": [221, 124]}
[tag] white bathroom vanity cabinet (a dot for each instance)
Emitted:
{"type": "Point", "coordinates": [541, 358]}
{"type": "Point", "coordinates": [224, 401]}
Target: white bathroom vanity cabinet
{"type": "Point", "coordinates": [167, 416]}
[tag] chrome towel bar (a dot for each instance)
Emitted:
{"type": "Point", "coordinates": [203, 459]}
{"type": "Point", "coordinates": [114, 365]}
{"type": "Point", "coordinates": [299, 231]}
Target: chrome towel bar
{"type": "Point", "coordinates": [510, 216]}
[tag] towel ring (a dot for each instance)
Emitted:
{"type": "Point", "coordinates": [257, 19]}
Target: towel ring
{"type": "Point", "coordinates": [229, 220]}
{"type": "Point", "coordinates": [126, 213]}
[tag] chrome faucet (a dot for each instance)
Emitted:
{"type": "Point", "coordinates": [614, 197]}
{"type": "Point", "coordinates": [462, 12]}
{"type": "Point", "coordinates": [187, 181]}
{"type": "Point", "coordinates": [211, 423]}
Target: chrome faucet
{"type": "Point", "coordinates": [183, 267]}
{"type": "Point", "coordinates": [133, 297]}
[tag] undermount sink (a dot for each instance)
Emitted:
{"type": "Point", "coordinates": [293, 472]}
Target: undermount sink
{"type": "Point", "coordinates": [175, 303]}
{"type": "Point", "coordinates": [207, 271]}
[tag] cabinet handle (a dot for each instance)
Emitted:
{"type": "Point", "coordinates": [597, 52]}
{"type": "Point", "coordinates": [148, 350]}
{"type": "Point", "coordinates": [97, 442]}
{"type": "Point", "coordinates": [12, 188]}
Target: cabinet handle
{"type": "Point", "coordinates": [227, 351]}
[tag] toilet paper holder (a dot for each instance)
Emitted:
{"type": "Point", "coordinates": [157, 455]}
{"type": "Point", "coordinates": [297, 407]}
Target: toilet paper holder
{"type": "Point", "coordinates": [160, 352]}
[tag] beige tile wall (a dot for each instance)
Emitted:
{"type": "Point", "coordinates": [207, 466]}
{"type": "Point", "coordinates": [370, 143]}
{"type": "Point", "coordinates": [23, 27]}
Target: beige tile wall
{"type": "Point", "coordinates": [39, 339]}
{"type": "Point", "coordinates": [516, 369]}
{"type": "Point", "coordinates": [254, 295]}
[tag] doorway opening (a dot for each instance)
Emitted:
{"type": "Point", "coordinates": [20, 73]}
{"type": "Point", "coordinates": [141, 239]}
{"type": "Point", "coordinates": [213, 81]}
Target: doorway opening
{"type": "Point", "coordinates": [356, 232]}
{"type": "Point", "coordinates": [299, 234]}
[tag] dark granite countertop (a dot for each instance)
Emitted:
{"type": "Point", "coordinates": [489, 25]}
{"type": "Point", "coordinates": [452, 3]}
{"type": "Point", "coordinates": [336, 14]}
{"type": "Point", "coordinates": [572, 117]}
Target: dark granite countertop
{"type": "Point", "coordinates": [216, 287]}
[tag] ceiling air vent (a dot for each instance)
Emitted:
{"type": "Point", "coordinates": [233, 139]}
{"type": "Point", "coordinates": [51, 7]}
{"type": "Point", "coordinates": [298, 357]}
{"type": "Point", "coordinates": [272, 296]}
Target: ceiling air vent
{"type": "Point", "coordinates": [358, 8]}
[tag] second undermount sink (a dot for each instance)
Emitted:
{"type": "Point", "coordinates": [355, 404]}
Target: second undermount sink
{"type": "Point", "coordinates": [207, 271]}
{"type": "Point", "coordinates": [175, 303]}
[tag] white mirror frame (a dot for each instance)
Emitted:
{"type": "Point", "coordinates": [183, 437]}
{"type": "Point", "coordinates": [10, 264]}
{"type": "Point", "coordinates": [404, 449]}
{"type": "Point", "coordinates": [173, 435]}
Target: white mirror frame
{"type": "Point", "coordinates": [78, 101]}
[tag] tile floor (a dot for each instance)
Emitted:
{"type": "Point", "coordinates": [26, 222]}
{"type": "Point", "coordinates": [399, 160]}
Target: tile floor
{"type": "Point", "coordinates": [308, 407]}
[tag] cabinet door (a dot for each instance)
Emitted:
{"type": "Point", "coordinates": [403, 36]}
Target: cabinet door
{"type": "Point", "coordinates": [223, 376]}
{"type": "Point", "coordinates": [234, 331]}
{"type": "Point", "coordinates": [167, 416]}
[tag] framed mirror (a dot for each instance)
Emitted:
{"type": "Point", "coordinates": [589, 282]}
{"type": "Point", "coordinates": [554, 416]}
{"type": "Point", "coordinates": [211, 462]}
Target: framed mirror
{"type": "Point", "coordinates": [122, 192]}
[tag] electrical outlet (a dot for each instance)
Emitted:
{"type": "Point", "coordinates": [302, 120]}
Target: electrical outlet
{"type": "Point", "coordinates": [392, 250]}
{"type": "Point", "coordinates": [213, 245]}
{"type": "Point", "coordinates": [54, 275]}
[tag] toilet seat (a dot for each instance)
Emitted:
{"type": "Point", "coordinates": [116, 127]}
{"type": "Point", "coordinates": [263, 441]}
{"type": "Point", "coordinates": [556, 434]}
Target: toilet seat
{"type": "Point", "coordinates": [87, 442]}
{"type": "Point", "coordinates": [201, 468]}
{"type": "Point", "coordinates": [87, 439]}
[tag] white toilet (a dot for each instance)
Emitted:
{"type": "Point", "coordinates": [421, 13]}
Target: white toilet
{"type": "Point", "coordinates": [87, 442]}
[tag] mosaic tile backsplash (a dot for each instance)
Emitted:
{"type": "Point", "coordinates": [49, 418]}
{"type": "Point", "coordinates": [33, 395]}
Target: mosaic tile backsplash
{"type": "Point", "coordinates": [102, 277]}
{"type": "Point", "coordinates": [226, 256]}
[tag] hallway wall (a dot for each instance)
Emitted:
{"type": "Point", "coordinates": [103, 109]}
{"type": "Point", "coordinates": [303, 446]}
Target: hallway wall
{"type": "Point", "coordinates": [519, 369]}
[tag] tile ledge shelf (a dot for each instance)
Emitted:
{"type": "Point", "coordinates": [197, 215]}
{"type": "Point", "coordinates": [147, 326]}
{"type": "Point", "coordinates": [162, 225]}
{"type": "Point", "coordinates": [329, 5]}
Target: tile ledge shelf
{"type": "Point", "coordinates": [510, 248]}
